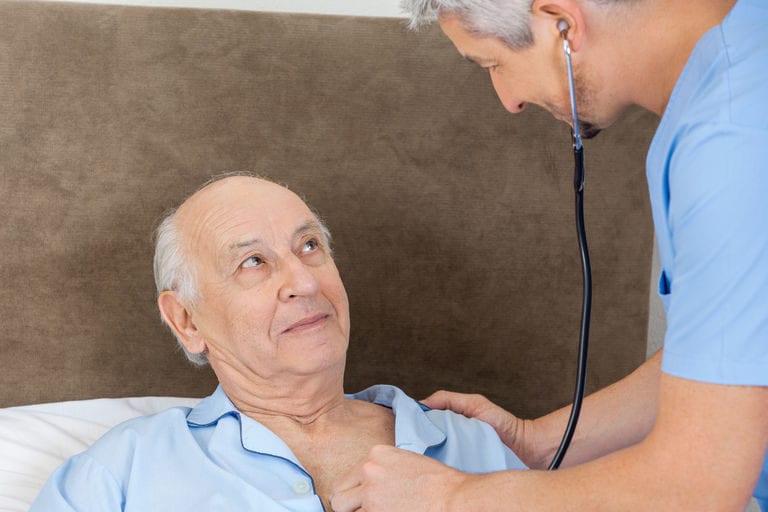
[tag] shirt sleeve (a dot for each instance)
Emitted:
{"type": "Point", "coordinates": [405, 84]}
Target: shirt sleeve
{"type": "Point", "coordinates": [81, 484]}
{"type": "Point", "coordinates": [718, 217]}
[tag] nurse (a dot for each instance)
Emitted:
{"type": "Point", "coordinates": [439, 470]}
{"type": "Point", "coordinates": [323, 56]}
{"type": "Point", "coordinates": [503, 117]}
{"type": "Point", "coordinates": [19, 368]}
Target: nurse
{"type": "Point", "coordinates": [688, 430]}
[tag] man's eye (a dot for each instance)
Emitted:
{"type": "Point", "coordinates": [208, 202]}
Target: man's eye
{"type": "Point", "coordinates": [310, 245]}
{"type": "Point", "coordinates": [252, 261]}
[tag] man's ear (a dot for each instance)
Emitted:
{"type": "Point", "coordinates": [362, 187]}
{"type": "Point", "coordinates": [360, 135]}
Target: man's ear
{"type": "Point", "coordinates": [179, 319]}
{"type": "Point", "coordinates": [570, 11]}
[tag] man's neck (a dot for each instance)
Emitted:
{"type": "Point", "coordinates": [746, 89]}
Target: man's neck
{"type": "Point", "coordinates": [654, 43]}
{"type": "Point", "coordinates": [328, 433]}
{"type": "Point", "coordinates": [287, 401]}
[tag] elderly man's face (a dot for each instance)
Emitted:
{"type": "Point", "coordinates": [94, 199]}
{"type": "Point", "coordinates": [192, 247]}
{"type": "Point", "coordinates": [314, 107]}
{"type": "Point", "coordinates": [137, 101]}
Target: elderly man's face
{"type": "Point", "coordinates": [270, 297]}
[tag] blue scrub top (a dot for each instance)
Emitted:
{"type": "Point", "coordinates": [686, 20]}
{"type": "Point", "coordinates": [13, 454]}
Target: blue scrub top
{"type": "Point", "coordinates": [708, 179]}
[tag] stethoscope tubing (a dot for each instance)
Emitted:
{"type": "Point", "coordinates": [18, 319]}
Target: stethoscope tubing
{"type": "Point", "coordinates": [586, 269]}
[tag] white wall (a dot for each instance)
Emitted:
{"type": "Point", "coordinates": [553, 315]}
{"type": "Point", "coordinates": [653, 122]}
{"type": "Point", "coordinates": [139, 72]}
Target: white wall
{"type": "Point", "coordinates": [386, 8]}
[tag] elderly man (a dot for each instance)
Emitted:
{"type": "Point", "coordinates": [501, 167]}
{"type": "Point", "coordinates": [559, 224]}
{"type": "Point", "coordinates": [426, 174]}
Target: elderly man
{"type": "Point", "coordinates": [689, 429]}
{"type": "Point", "coordinates": [247, 282]}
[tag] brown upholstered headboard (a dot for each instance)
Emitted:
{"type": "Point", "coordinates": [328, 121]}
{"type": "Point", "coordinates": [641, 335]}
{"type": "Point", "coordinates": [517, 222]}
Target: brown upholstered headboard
{"type": "Point", "coordinates": [452, 219]}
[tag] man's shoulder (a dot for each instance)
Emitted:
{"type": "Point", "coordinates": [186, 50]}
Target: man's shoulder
{"type": "Point", "coordinates": [734, 82]}
{"type": "Point", "coordinates": [462, 427]}
{"type": "Point", "coordinates": [470, 444]}
{"type": "Point", "coordinates": [397, 399]}
{"type": "Point", "coordinates": [154, 429]}
{"type": "Point", "coordinates": [464, 443]}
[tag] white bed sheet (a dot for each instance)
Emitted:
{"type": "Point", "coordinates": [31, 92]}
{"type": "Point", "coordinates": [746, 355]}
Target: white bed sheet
{"type": "Point", "coordinates": [36, 439]}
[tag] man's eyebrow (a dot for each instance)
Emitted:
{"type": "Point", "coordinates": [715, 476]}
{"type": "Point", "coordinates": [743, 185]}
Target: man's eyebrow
{"type": "Point", "coordinates": [477, 60]}
{"type": "Point", "coordinates": [235, 249]}
{"type": "Point", "coordinates": [245, 243]}
{"type": "Point", "coordinates": [307, 227]}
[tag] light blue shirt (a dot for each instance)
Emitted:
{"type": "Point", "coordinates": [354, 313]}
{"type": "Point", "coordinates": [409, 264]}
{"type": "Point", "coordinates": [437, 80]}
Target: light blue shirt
{"type": "Point", "coordinates": [212, 457]}
{"type": "Point", "coordinates": [708, 179]}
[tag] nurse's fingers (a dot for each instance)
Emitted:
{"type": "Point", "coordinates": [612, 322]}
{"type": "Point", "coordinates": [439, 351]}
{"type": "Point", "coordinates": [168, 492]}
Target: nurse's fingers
{"type": "Point", "coordinates": [357, 491]}
{"type": "Point", "coordinates": [479, 407]}
{"type": "Point", "coordinates": [395, 480]}
{"type": "Point", "coordinates": [347, 500]}
{"type": "Point", "coordinates": [346, 492]}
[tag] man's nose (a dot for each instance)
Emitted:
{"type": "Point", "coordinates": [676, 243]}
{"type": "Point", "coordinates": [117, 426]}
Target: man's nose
{"type": "Point", "coordinates": [510, 101]}
{"type": "Point", "coordinates": [298, 279]}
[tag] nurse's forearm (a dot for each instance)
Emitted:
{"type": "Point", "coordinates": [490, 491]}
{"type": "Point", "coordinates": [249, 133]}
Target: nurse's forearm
{"type": "Point", "coordinates": [701, 432]}
{"type": "Point", "coordinates": [613, 418]}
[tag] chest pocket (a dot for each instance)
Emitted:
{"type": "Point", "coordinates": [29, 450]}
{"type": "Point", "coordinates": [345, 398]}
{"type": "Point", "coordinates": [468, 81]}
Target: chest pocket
{"type": "Point", "coordinates": [665, 289]}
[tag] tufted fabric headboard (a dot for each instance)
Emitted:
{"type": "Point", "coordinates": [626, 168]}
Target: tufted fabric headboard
{"type": "Point", "coordinates": [452, 220]}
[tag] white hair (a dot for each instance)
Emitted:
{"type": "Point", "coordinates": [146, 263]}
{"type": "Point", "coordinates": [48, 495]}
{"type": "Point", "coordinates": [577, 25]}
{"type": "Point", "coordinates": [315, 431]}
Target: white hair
{"type": "Point", "coordinates": [508, 20]}
{"type": "Point", "coordinates": [175, 270]}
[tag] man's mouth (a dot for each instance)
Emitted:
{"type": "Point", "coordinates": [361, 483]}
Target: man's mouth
{"type": "Point", "coordinates": [307, 322]}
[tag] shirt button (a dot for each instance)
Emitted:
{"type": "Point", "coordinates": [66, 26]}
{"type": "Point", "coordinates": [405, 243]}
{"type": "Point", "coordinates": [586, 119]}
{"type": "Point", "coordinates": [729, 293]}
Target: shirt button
{"type": "Point", "coordinates": [301, 487]}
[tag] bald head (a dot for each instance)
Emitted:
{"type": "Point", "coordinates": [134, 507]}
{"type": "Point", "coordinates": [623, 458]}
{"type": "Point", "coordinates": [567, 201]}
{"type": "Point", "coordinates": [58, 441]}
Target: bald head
{"type": "Point", "coordinates": [230, 191]}
{"type": "Point", "coordinates": [217, 220]}
{"type": "Point", "coordinates": [211, 224]}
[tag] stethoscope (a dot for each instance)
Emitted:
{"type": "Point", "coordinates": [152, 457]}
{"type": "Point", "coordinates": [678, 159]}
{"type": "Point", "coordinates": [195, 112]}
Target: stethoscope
{"type": "Point", "coordinates": [586, 306]}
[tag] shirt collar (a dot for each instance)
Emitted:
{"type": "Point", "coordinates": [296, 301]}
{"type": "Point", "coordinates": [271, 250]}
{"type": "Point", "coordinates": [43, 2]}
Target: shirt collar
{"type": "Point", "coordinates": [413, 429]}
{"type": "Point", "coordinates": [211, 409]}
{"type": "Point", "coordinates": [254, 436]}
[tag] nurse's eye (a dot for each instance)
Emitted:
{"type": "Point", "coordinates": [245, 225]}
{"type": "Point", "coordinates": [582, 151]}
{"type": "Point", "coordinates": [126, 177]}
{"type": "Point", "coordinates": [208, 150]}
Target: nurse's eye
{"type": "Point", "coordinates": [252, 261]}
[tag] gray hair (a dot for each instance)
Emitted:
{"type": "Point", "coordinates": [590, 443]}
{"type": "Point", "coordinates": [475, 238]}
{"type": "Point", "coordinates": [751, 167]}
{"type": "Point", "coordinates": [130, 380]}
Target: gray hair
{"type": "Point", "coordinates": [174, 269]}
{"type": "Point", "coordinates": [508, 20]}
{"type": "Point", "coordinates": [173, 272]}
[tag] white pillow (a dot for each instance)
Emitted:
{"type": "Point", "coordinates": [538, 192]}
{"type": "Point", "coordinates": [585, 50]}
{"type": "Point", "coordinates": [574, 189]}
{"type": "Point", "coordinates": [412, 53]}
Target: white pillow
{"type": "Point", "coordinates": [36, 439]}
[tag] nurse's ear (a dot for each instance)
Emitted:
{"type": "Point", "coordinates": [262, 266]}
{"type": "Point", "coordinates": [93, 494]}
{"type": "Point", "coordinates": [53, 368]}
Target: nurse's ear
{"type": "Point", "coordinates": [179, 319]}
{"type": "Point", "coordinates": [555, 13]}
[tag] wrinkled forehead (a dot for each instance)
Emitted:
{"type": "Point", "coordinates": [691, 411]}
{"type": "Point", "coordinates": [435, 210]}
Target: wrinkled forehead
{"type": "Point", "coordinates": [235, 210]}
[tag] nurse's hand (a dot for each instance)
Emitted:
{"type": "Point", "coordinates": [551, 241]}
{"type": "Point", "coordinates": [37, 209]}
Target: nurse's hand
{"type": "Point", "coordinates": [516, 433]}
{"type": "Point", "coordinates": [395, 480]}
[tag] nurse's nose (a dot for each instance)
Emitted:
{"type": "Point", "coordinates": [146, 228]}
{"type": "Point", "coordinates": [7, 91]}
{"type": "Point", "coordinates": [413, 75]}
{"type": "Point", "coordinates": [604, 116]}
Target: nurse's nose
{"type": "Point", "coordinates": [514, 107]}
{"type": "Point", "coordinates": [510, 101]}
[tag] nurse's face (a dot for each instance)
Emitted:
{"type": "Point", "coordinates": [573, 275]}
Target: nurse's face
{"type": "Point", "coordinates": [535, 74]}
{"type": "Point", "coordinates": [271, 301]}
